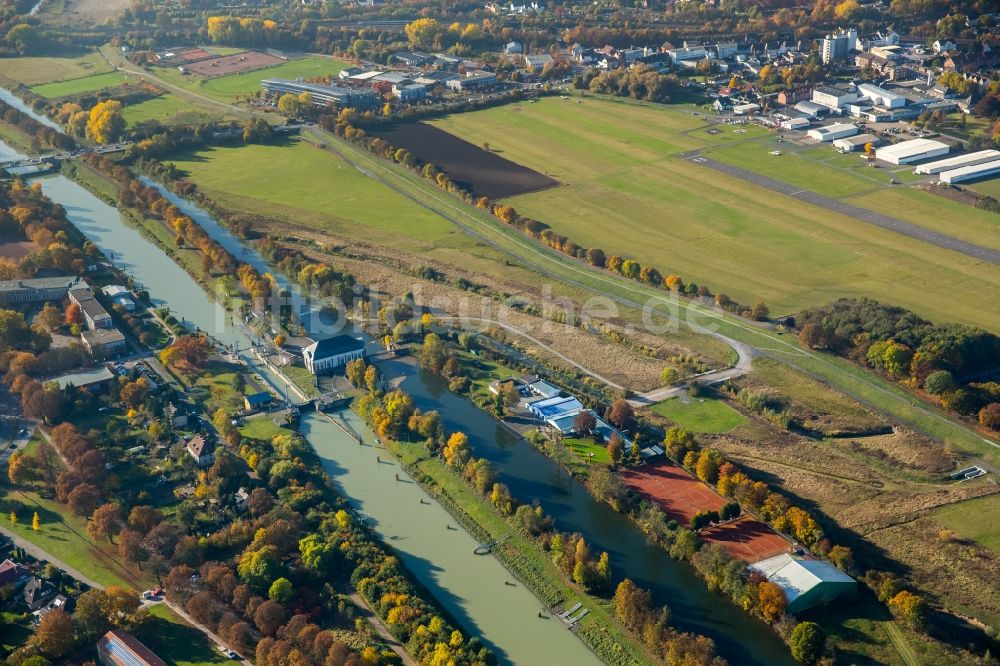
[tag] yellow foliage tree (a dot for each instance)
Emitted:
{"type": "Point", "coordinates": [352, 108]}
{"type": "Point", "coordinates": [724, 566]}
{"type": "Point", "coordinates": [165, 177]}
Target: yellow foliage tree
{"type": "Point", "coordinates": [457, 443]}
{"type": "Point", "coordinates": [36, 522]}
{"type": "Point", "coordinates": [106, 122]}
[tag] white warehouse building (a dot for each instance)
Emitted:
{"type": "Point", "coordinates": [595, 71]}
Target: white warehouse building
{"type": "Point", "coordinates": [832, 132]}
{"type": "Point", "coordinates": [970, 172]}
{"type": "Point", "coordinates": [913, 150]}
{"type": "Point", "coordinates": [881, 97]}
{"type": "Point", "coordinates": [959, 161]}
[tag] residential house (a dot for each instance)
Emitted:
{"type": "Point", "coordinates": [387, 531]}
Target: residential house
{"type": "Point", "coordinates": [38, 593]}
{"type": "Point", "coordinates": [242, 499]}
{"type": "Point", "coordinates": [12, 573]}
{"type": "Point", "coordinates": [67, 604]}
{"type": "Point", "coordinates": [793, 95]}
{"type": "Point", "coordinates": [201, 450]}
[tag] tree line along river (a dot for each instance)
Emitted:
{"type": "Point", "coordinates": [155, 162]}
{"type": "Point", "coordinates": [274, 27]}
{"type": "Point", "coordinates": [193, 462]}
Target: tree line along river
{"type": "Point", "coordinates": [470, 587]}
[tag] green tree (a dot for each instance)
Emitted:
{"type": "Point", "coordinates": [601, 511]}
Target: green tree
{"type": "Point", "coordinates": [939, 383]}
{"type": "Point", "coordinates": [432, 354]}
{"type": "Point", "coordinates": [281, 591]}
{"type": "Point", "coordinates": [808, 642]}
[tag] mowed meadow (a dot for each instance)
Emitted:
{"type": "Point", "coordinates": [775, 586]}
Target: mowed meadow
{"type": "Point", "coordinates": [626, 191]}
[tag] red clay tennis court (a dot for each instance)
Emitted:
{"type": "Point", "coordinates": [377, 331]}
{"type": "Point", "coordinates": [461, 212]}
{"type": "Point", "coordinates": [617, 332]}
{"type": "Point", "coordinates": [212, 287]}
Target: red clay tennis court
{"type": "Point", "coordinates": [679, 494]}
{"type": "Point", "coordinates": [748, 539]}
{"type": "Point", "coordinates": [234, 64]}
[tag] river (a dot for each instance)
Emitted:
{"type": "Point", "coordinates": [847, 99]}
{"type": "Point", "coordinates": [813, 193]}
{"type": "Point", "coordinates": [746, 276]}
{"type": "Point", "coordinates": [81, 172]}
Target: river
{"type": "Point", "coordinates": [469, 587]}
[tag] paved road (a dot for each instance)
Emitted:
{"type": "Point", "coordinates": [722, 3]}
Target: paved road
{"type": "Point", "coordinates": [744, 363]}
{"type": "Point", "coordinates": [945, 241]}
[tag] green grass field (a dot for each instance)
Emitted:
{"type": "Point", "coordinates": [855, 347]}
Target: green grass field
{"type": "Point", "coordinates": [168, 109]}
{"type": "Point", "coordinates": [585, 446]}
{"type": "Point", "coordinates": [625, 193]}
{"type": "Point", "coordinates": [235, 86]}
{"type": "Point", "coordinates": [971, 520]}
{"type": "Point", "coordinates": [76, 86]}
{"type": "Point", "coordinates": [33, 71]}
{"type": "Point", "coordinates": [700, 415]}
{"type": "Point", "coordinates": [63, 535]}
{"type": "Point", "coordinates": [312, 187]}
{"type": "Point", "coordinates": [178, 643]}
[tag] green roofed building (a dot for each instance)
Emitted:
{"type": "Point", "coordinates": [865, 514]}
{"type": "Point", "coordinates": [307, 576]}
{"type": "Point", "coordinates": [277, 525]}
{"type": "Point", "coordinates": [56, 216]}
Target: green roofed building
{"type": "Point", "coordinates": [806, 582]}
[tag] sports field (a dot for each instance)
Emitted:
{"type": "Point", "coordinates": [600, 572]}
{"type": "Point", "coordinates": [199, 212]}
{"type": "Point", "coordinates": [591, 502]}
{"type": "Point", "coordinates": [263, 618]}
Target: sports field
{"type": "Point", "coordinates": [32, 71]}
{"type": "Point", "coordinates": [700, 414]}
{"type": "Point", "coordinates": [625, 193]}
{"type": "Point", "coordinates": [748, 539]}
{"type": "Point", "coordinates": [676, 492]}
{"type": "Point", "coordinates": [304, 184]}
{"type": "Point", "coordinates": [82, 85]}
{"type": "Point", "coordinates": [233, 87]}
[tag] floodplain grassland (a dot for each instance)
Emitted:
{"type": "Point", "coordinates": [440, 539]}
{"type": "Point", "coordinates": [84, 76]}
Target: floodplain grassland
{"type": "Point", "coordinates": [167, 109]}
{"type": "Point", "coordinates": [309, 187]}
{"type": "Point", "coordinates": [84, 84]}
{"type": "Point", "coordinates": [32, 71]}
{"type": "Point", "coordinates": [626, 192]}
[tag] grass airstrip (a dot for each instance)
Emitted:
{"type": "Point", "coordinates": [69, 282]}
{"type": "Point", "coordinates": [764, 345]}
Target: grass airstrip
{"type": "Point", "coordinates": [626, 191]}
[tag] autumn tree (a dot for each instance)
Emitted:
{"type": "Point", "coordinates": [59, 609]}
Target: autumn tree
{"type": "Point", "coordinates": [84, 499]}
{"type": "Point", "coordinates": [771, 601]}
{"type": "Point", "coordinates": [74, 315]}
{"type": "Point", "coordinates": [584, 423]}
{"type": "Point", "coordinates": [106, 122]}
{"type": "Point", "coordinates": [269, 616]}
{"type": "Point", "coordinates": [909, 607]}
{"type": "Point", "coordinates": [621, 414]}
{"type": "Point", "coordinates": [105, 522]}
{"type": "Point", "coordinates": [55, 634]}
{"type": "Point", "coordinates": [616, 448]}
{"type": "Point", "coordinates": [50, 317]}
{"type": "Point", "coordinates": [456, 449]}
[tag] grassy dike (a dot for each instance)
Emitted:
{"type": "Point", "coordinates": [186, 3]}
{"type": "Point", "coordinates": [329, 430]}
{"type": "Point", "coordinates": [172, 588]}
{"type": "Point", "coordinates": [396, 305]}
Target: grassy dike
{"type": "Point", "coordinates": [103, 188]}
{"type": "Point", "coordinates": [520, 554]}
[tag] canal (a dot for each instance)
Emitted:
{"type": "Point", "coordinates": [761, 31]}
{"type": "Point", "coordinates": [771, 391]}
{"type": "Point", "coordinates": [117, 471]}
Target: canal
{"type": "Point", "coordinates": [470, 587]}
{"type": "Point", "coordinates": [531, 475]}
{"type": "Point", "coordinates": [20, 105]}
